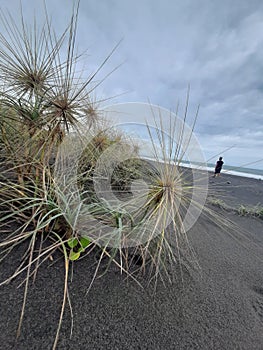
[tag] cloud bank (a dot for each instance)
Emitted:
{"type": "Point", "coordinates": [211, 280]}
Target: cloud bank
{"type": "Point", "coordinates": [215, 46]}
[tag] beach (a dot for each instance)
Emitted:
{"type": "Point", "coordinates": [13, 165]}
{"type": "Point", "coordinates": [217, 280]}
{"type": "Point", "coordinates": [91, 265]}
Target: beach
{"type": "Point", "coordinates": [219, 306]}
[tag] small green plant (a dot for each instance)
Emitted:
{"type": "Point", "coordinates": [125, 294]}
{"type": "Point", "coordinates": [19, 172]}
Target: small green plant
{"type": "Point", "coordinates": [77, 246]}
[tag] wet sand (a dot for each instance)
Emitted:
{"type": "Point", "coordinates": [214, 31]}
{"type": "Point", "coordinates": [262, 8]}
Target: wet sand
{"type": "Point", "coordinates": [220, 307]}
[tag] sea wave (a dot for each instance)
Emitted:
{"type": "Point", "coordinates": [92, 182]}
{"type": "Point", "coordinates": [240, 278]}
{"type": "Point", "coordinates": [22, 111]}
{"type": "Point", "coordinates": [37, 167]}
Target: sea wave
{"type": "Point", "coordinates": [249, 173]}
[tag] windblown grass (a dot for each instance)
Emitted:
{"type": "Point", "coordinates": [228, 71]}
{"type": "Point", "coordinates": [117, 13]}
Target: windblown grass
{"type": "Point", "coordinates": [137, 212]}
{"type": "Point", "coordinates": [256, 211]}
{"type": "Point", "coordinates": [242, 210]}
{"type": "Point", "coordinates": [134, 206]}
{"type": "Point", "coordinates": [42, 100]}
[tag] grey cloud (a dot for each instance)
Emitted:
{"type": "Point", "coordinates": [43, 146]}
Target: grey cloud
{"type": "Point", "coordinates": [216, 46]}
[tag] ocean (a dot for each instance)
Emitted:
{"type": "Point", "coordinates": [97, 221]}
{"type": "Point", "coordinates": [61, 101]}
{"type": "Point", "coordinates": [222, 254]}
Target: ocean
{"type": "Point", "coordinates": [231, 170]}
{"type": "Point", "coordinates": [227, 169]}
{"type": "Point", "coordinates": [240, 171]}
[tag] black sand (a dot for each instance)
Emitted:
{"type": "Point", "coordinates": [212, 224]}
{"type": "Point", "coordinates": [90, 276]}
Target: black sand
{"type": "Point", "coordinates": [219, 308]}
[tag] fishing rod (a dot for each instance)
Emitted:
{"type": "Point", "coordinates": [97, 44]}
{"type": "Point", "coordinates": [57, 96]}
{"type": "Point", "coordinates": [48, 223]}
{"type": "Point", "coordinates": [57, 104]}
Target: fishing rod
{"type": "Point", "coordinates": [242, 166]}
{"type": "Point", "coordinates": [227, 149]}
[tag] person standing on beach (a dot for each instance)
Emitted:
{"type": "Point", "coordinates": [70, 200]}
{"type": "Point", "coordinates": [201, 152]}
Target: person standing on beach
{"type": "Point", "coordinates": [218, 167]}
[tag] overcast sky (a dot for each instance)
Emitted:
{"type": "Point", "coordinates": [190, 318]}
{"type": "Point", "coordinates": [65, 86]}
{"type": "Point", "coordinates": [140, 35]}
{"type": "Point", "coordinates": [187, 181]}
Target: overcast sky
{"type": "Point", "coordinates": [215, 46]}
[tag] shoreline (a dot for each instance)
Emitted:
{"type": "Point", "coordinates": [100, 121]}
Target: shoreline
{"type": "Point", "coordinates": [210, 169]}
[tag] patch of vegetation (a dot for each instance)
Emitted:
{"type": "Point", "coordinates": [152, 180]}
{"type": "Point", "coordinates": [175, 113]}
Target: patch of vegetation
{"type": "Point", "coordinates": [218, 203]}
{"type": "Point", "coordinates": [242, 210]}
{"type": "Point", "coordinates": [43, 103]}
{"type": "Point", "coordinates": [255, 211]}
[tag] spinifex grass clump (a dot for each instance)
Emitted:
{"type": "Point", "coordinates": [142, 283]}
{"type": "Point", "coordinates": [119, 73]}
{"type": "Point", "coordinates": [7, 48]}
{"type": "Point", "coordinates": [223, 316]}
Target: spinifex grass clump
{"type": "Point", "coordinates": [41, 101]}
{"type": "Point", "coordinates": [171, 195]}
{"type": "Point", "coordinates": [137, 210]}
{"type": "Point", "coordinates": [123, 172]}
{"type": "Point", "coordinates": [256, 211]}
{"type": "Point", "coordinates": [98, 143]}
{"type": "Point", "coordinates": [133, 211]}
